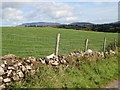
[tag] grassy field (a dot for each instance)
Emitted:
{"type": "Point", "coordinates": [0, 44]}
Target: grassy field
{"type": "Point", "coordinates": [40, 41]}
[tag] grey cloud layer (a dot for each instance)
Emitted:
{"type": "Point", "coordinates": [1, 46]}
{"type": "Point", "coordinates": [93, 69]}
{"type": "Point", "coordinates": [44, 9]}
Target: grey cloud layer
{"type": "Point", "coordinates": [60, 0]}
{"type": "Point", "coordinates": [13, 11]}
{"type": "Point", "coordinates": [20, 12]}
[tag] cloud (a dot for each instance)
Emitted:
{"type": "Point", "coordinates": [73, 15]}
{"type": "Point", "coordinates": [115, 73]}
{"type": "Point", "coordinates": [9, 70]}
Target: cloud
{"type": "Point", "coordinates": [60, 10]}
{"type": "Point", "coordinates": [12, 5]}
{"type": "Point", "coordinates": [56, 10]}
{"type": "Point", "coordinates": [71, 19]}
{"type": "Point", "coordinates": [16, 12]}
{"type": "Point", "coordinates": [50, 10]}
{"type": "Point", "coordinates": [16, 0]}
{"type": "Point", "coordinates": [98, 0]}
{"type": "Point", "coordinates": [27, 0]}
{"type": "Point", "coordinates": [87, 0]}
{"type": "Point", "coordinates": [12, 16]}
{"type": "Point", "coordinates": [22, 12]}
{"type": "Point", "coordinates": [60, 13]}
{"type": "Point", "coordinates": [59, 0]}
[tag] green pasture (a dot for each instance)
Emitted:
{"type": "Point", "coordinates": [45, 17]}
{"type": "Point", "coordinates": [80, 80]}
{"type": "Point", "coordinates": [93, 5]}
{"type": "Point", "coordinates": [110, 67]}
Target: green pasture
{"type": "Point", "coordinates": [40, 41]}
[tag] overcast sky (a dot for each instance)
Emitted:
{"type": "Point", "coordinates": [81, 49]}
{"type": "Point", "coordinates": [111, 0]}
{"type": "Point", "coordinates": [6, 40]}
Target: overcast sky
{"type": "Point", "coordinates": [61, 11]}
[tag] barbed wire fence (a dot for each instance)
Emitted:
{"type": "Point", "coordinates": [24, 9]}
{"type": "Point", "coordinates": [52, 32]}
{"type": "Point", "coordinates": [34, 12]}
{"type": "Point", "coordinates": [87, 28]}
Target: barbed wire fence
{"type": "Point", "coordinates": [24, 46]}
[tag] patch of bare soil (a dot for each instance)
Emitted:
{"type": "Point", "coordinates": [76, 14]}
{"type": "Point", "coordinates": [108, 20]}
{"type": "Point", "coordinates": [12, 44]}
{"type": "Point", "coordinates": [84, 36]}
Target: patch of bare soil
{"type": "Point", "coordinates": [114, 84]}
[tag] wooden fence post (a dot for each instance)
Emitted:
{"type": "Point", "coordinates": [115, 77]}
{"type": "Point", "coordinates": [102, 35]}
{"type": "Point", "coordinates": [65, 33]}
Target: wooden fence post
{"type": "Point", "coordinates": [86, 44]}
{"type": "Point", "coordinates": [57, 44]}
{"type": "Point", "coordinates": [104, 45]}
{"type": "Point", "coordinates": [115, 44]}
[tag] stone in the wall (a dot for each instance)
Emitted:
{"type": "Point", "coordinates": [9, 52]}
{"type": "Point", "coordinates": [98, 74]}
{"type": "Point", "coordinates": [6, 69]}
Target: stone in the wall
{"type": "Point", "coordinates": [1, 71]}
{"type": "Point", "coordinates": [55, 63]}
{"type": "Point", "coordinates": [9, 72]}
{"type": "Point", "coordinates": [20, 73]}
{"type": "Point", "coordinates": [6, 80]}
{"type": "Point", "coordinates": [15, 78]}
{"type": "Point", "coordinates": [10, 68]}
{"type": "Point", "coordinates": [24, 68]}
{"type": "Point", "coordinates": [2, 65]}
{"type": "Point", "coordinates": [1, 79]}
{"type": "Point", "coordinates": [28, 67]}
{"type": "Point", "coordinates": [2, 86]}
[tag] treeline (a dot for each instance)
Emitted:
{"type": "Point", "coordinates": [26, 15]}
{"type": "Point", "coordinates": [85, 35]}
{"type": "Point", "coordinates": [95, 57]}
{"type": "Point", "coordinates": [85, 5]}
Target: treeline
{"type": "Point", "coordinates": [76, 27]}
{"type": "Point", "coordinates": [107, 27]}
{"type": "Point", "coordinates": [35, 26]}
{"type": "Point", "coordinates": [113, 27]}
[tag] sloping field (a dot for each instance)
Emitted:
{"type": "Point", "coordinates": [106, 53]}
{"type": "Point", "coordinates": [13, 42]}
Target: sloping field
{"type": "Point", "coordinates": [40, 41]}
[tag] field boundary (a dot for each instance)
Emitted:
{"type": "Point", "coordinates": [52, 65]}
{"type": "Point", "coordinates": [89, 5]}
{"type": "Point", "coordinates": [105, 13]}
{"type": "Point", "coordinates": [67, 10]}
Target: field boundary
{"type": "Point", "coordinates": [25, 45]}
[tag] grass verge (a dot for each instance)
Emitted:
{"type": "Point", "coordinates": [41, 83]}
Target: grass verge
{"type": "Point", "coordinates": [89, 74]}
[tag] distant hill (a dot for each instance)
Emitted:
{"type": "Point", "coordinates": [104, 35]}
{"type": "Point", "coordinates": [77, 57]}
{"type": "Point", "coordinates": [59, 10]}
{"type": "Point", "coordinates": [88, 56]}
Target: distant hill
{"type": "Point", "coordinates": [52, 24]}
{"type": "Point", "coordinates": [118, 22]}
{"type": "Point", "coordinates": [80, 23]}
{"type": "Point", "coordinates": [39, 24]}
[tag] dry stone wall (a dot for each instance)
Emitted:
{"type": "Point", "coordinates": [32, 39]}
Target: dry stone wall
{"type": "Point", "coordinates": [14, 68]}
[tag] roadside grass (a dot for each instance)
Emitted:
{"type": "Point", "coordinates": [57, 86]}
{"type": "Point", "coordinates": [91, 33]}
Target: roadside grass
{"type": "Point", "coordinates": [40, 41]}
{"type": "Point", "coordinates": [90, 74]}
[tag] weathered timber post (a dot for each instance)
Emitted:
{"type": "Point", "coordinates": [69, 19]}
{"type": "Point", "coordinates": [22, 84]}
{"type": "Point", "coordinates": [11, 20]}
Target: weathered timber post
{"type": "Point", "coordinates": [104, 45]}
{"type": "Point", "coordinates": [57, 44]}
{"type": "Point", "coordinates": [86, 44]}
{"type": "Point", "coordinates": [115, 45]}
